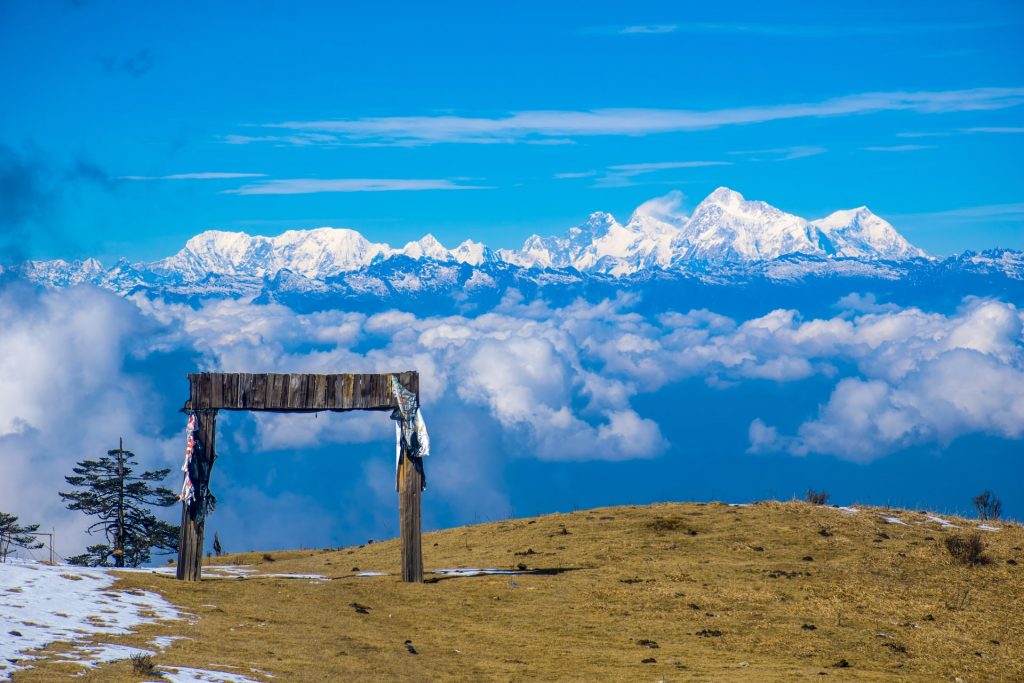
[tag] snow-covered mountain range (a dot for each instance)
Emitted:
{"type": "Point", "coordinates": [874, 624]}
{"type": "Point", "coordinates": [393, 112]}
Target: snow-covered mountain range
{"type": "Point", "coordinates": [727, 239]}
{"type": "Point", "coordinates": [723, 228]}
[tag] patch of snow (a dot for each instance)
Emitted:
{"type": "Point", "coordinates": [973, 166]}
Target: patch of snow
{"type": "Point", "coordinates": [313, 577]}
{"type": "Point", "coordinates": [229, 571]}
{"type": "Point", "coordinates": [184, 674]}
{"type": "Point", "coordinates": [45, 604]}
{"type": "Point", "coordinates": [942, 522]}
{"type": "Point", "coordinates": [372, 574]}
{"type": "Point", "coordinates": [164, 642]}
{"type": "Point", "coordinates": [847, 510]}
{"type": "Point", "coordinates": [895, 520]}
{"type": "Point", "coordinates": [988, 527]}
{"type": "Point", "coordinates": [473, 572]}
{"type": "Point", "coordinates": [91, 656]}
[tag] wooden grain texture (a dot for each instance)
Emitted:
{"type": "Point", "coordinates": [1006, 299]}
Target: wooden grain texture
{"type": "Point", "coordinates": [410, 492]}
{"type": "Point", "coordinates": [296, 392]}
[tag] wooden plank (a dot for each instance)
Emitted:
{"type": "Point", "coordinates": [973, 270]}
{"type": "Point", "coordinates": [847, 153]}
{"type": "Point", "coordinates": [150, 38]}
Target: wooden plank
{"type": "Point", "coordinates": [331, 397]}
{"type": "Point", "coordinates": [275, 392]}
{"type": "Point", "coordinates": [296, 392]}
{"type": "Point", "coordinates": [318, 395]}
{"type": "Point", "coordinates": [217, 389]}
{"type": "Point", "coordinates": [259, 392]}
{"type": "Point", "coordinates": [244, 389]}
{"type": "Point", "coordinates": [205, 392]}
{"type": "Point", "coordinates": [348, 392]}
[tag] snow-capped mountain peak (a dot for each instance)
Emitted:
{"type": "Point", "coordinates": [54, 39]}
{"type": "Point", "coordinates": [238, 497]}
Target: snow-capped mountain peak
{"type": "Point", "coordinates": [859, 233]}
{"type": "Point", "coordinates": [566, 250]}
{"type": "Point", "coordinates": [473, 253]}
{"type": "Point", "coordinates": [320, 252]}
{"type": "Point", "coordinates": [724, 196]}
{"type": "Point", "coordinates": [728, 227]}
{"type": "Point", "coordinates": [427, 247]}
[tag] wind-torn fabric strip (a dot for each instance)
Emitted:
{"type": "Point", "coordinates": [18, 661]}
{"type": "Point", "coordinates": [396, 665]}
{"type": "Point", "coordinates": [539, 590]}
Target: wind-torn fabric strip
{"type": "Point", "coordinates": [188, 491]}
{"type": "Point", "coordinates": [410, 427]}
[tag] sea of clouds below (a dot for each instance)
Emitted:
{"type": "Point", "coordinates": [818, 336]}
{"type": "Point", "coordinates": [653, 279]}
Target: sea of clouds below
{"type": "Point", "coordinates": [555, 383]}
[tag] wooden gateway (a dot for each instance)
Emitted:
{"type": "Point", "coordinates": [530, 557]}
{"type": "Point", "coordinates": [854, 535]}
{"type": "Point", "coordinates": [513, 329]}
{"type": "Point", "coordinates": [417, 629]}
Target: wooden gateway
{"type": "Point", "coordinates": [299, 393]}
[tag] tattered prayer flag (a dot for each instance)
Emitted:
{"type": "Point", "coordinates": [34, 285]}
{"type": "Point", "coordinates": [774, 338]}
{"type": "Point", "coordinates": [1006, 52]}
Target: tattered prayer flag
{"type": "Point", "coordinates": [410, 428]}
{"type": "Point", "coordinates": [188, 491]}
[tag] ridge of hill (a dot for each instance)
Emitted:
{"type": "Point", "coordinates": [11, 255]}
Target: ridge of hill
{"type": "Point", "coordinates": [677, 591]}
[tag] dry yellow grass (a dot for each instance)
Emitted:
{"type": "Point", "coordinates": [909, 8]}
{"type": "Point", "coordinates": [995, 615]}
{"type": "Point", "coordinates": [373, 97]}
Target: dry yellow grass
{"type": "Point", "coordinates": [769, 592]}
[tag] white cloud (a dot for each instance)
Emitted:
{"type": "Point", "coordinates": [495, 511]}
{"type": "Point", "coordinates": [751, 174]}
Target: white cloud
{"type": "Point", "coordinates": [898, 148]}
{"type": "Point", "coordinates": [804, 30]}
{"type": "Point", "coordinates": [315, 185]}
{"type": "Point", "coordinates": [65, 395]}
{"type": "Point", "coordinates": [623, 174]}
{"type": "Point", "coordinates": [927, 378]}
{"type": "Point", "coordinates": [1010, 211]}
{"type": "Point", "coordinates": [649, 29]}
{"type": "Point", "coordinates": [1005, 130]}
{"type": "Point", "coordinates": [782, 153]}
{"type": "Point", "coordinates": [540, 124]}
{"type": "Point", "coordinates": [205, 175]}
{"type": "Point", "coordinates": [559, 381]}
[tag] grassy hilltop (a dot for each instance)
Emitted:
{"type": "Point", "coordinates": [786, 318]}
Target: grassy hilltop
{"type": "Point", "coordinates": [675, 592]}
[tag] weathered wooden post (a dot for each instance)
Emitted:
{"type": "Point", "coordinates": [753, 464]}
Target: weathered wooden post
{"type": "Point", "coordinates": [193, 512]}
{"type": "Point", "coordinates": [410, 488]}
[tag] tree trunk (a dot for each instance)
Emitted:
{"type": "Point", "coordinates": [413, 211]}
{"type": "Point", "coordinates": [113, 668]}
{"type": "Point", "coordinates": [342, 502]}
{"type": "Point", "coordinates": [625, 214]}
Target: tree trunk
{"type": "Point", "coordinates": [119, 532]}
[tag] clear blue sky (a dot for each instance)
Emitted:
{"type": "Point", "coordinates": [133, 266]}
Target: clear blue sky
{"type": "Point", "coordinates": [484, 121]}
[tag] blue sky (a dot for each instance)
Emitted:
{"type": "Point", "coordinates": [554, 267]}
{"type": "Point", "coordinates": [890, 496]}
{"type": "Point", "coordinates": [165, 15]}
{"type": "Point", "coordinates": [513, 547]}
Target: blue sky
{"type": "Point", "coordinates": [479, 121]}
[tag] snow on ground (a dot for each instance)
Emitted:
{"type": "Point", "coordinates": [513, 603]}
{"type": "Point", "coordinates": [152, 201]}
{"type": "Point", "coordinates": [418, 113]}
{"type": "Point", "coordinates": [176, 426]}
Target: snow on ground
{"type": "Point", "coordinates": [472, 572]}
{"type": "Point", "coordinates": [942, 522]}
{"type": "Point", "coordinates": [894, 520]}
{"type": "Point", "coordinates": [164, 642]}
{"type": "Point", "coordinates": [184, 674]}
{"type": "Point", "coordinates": [230, 571]}
{"type": "Point", "coordinates": [41, 604]}
{"type": "Point", "coordinates": [90, 656]}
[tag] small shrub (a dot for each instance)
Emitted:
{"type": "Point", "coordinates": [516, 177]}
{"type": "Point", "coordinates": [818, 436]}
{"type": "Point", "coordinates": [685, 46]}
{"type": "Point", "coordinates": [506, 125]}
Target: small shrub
{"type": "Point", "coordinates": [988, 506]}
{"type": "Point", "coordinates": [143, 664]}
{"type": "Point", "coordinates": [816, 497]}
{"type": "Point", "coordinates": [267, 557]}
{"type": "Point", "coordinates": [967, 550]}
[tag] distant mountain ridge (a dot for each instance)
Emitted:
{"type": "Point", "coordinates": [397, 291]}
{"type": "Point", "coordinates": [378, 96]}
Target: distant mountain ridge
{"type": "Point", "coordinates": [727, 240]}
{"type": "Point", "coordinates": [724, 228]}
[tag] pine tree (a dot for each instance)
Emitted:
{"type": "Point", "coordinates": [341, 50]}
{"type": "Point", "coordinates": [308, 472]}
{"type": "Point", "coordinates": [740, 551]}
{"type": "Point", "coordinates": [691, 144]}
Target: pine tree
{"type": "Point", "coordinates": [108, 490]}
{"type": "Point", "coordinates": [13, 534]}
